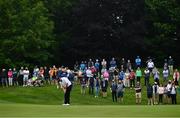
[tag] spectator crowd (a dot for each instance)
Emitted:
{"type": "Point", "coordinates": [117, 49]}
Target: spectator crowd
{"type": "Point", "coordinates": [98, 76]}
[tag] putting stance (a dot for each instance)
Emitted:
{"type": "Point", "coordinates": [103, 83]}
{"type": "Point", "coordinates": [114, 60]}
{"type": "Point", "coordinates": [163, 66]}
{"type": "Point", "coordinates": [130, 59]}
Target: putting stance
{"type": "Point", "coordinates": [66, 85]}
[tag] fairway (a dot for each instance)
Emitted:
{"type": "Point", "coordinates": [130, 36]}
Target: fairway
{"type": "Point", "coordinates": [90, 58]}
{"type": "Point", "coordinates": [29, 110]}
{"type": "Point", "coordinates": [47, 102]}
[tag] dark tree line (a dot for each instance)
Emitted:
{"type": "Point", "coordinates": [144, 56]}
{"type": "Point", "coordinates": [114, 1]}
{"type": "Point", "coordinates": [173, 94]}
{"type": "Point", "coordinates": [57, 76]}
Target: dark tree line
{"type": "Point", "coordinates": [39, 32]}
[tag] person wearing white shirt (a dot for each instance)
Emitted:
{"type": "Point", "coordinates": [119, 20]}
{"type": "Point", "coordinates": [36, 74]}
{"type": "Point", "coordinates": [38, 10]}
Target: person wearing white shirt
{"type": "Point", "coordinates": [173, 93]}
{"type": "Point", "coordinates": [169, 85]}
{"type": "Point", "coordinates": [150, 65]}
{"type": "Point", "coordinates": [127, 81]}
{"type": "Point", "coordinates": [90, 80]}
{"type": "Point", "coordinates": [146, 77]}
{"type": "Point", "coordinates": [156, 75]}
{"type": "Point", "coordinates": [25, 76]}
{"type": "Point", "coordinates": [89, 73]}
{"type": "Point", "coordinates": [165, 74]}
{"type": "Point", "coordinates": [176, 77]}
{"type": "Point", "coordinates": [161, 92]}
{"type": "Point", "coordinates": [104, 64]}
{"type": "Point", "coordinates": [155, 93]}
{"type": "Point", "coordinates": [66, 85]}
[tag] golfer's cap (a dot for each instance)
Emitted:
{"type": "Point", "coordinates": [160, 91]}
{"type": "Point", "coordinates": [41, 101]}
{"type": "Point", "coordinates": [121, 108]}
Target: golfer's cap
{"type": "Point", "coordinates": [155, 82]}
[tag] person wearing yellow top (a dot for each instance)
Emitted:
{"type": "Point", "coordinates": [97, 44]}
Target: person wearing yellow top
{"type": "Point", "coordinates": [54, 74]}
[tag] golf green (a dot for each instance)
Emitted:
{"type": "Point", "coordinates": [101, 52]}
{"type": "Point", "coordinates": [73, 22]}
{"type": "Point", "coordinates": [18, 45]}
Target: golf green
{"type": "Point", "coordinates": [29, 110]}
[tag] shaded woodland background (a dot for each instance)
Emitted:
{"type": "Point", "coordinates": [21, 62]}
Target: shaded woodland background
{"type": "Point", "coordinates": [46, 32]}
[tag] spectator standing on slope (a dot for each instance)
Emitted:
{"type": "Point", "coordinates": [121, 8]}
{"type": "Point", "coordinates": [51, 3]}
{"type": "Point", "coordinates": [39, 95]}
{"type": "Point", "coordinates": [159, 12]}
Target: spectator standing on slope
{"type": "Point", "coordinates": [176, 77]}
{"type": "Point", "coordinates": [150, 94]}
{"type": "Point", "coordinates": [114, 91]}
{"type": "Point", "coordinates": [173, 93]}
{"type": "Point", "coordinates": [150, 65]}
{"type": "Point", "coordinates": [138, 74]}
{"type": "Point", "coordinates": [165, 74]}
{"type": "Point", "coordinates": [170, 65]}
{"type": "Point", "coordinates": [146, 76]}
{"type": "Point", "coordinates": [10, 77]}
{"type": "Point", "coordinates": [138, 61]}
{"type": "Point", "coordinates": [155, 93]}
{"type": "Point", "coordinates": [138, 92]}
{"type": "Point", "coordinates": [132, 77]}
{"type": "Point", "coordinates": [120, 91]}
{"type": "Point", "coordinates": [161, 93]}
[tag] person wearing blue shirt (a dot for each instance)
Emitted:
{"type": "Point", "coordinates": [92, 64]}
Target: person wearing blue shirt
{"type": "Point", "coordinates": [97, 65]}
{"type": "Point", "coordinates": [113, 63]}
{"type": "Point", "coordinates": [138, 61]}
{"type": "Point", "coordinates": [121, 75]}
{"type": "Point", "coordinates": [63, 72]}
{"type": "Point", "coordinates": [82, 66]}
{"type": "Point", "coordinates": [113, 91]}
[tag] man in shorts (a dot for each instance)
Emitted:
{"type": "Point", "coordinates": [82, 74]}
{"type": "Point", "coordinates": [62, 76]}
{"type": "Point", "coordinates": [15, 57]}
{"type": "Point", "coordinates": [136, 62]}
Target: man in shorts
{"type": "Point", "coordinates": [138, 93]}
{"type": "Point", "coordinates": [120, 91]}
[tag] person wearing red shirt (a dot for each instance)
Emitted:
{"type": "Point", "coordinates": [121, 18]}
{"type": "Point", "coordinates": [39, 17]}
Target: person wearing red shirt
{"type": "Point", "coordinates": [132, 78]}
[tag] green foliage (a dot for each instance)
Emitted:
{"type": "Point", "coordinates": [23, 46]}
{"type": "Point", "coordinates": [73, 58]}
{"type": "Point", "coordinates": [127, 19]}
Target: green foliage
{"type": "Point", "coordinates": [163, 20]}
{"type": "Point", "coordinates": [37, 32]}
{"type": "Point", "coordinates": [104, 29]}
{"type": "Point", "coordinates": [25, 32]}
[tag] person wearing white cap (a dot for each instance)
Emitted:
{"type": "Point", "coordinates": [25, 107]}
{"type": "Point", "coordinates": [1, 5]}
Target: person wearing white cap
{"type": "Point", "coordinates": [169, 86]}
{"type": "Point", "coordinates": [25, 76]}
{"type": "Point", "coordinates": [155, 93]}
{"type": "Point", "coordinates": [170, 65]}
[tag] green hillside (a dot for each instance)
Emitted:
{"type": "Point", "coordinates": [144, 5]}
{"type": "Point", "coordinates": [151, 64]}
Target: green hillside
{"type": "Point", "coordinates": [50, 95]}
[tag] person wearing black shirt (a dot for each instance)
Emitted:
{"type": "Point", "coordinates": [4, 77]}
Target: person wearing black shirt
{"type": "Point", "coordinates": [113, 91]}
{"type": "Point", "coordinates": [138, 93]}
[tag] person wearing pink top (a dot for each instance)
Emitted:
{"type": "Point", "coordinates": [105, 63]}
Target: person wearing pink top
{"type": "Point", "coordinates": [176, 77]}
{"type": "Point", "coordinates": [161, 92]}
{"type": "Point", "coordinates": [10, 77]}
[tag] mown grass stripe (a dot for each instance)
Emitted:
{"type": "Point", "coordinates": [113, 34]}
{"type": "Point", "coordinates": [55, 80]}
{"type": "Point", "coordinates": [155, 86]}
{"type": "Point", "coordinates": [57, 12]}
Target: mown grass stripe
{"type": "Point", "coordinates": [28, 110]}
